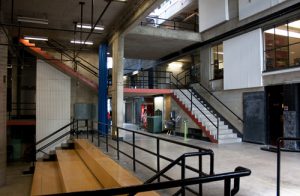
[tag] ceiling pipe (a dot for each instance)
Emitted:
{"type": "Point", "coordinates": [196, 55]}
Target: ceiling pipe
{"type": "Point", "coordinates": [93, 27]}
{"type": "Point", "coordinates": [81, 17]}
{"type": "Point", "coordinates": [48, 28]}
{"type": "Point", "coordinates": [92, 14]}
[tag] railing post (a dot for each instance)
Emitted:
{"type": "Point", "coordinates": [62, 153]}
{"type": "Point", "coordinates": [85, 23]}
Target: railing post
{"type": "Point", "coordinates": [92, 132]}
{"type": "Point", "coordinates": [118, 147]}
{"type": "Point", "coordinates": [77, 128]}
{"type": "Point", "coordinates": [133, 150]}
{"type": "Point", "coordinates": [87, 129]}
{"type": "Point", "coordinates": [106, 138]}
{"type": "Point", "coordinates": [218, 128]}
{"type": "Point", "coordinates": [227, 187]}
{"type": "Point", "coordinates": [200, 173]}
{"type": "Point", "coordinates": [98, 137]}
{"type": "Point", "coordinates": [191, 101]}
{"type": "Point", "coordinates": [278, 167]}
{"type": "Point", "coordinates": [158, 157]}
{"type": "Point", "coordinates": [183, 175]}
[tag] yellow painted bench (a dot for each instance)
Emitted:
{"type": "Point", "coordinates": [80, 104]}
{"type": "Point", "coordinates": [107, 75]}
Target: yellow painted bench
{"type": "Point", "coordinates": [46, 179]}
{"type": "Point", "coordinates": [75, 176]}
{"type": "Point", "coordinates": [107, 171]}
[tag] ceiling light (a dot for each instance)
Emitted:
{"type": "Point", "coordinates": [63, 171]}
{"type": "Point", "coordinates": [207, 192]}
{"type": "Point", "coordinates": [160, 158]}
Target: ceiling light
{"type": "Point", "coordinates": [81, 42]}
{"type": "Point", "coordinates": [176, 64]}
{"type": "Point", "coordinates": [88, 26]}
{"type": "Point", "coordinates": [283, 33]}
{"type": "Point", "coordinates": [295, 24]}
{"type": "Point", "coordinates": [38, 38]}
{"type": "Point", "coordinates": [32, 20]}
{"type": "Point", "coordinates": [135, 72]}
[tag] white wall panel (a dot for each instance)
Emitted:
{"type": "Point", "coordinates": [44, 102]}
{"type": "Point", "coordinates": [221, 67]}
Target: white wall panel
{"type": "Point", "coordinates": [248, 8]}
{"type": "Point", "coordinates": [212, 12]}
{"type": "Point", "coordinates": [53, 100]}
{"type": "Point", "coordinates": [243, 61]}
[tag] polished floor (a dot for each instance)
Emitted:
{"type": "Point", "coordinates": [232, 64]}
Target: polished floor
{"type": "Point", "coordinates": [262, 181]}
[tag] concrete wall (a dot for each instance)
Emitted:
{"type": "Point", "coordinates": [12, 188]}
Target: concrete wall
{"type": "Point", "coordinates": [212, 13]}
{"type": "Point", "coordinates": [248, 8]}
{"type": "Point", "coordinates": [3, 89]}
{"type": "Point", "coordinates": [53, 100]}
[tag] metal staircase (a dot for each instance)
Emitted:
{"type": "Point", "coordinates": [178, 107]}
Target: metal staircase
{"type": "Point", "coordinates": [209, 122]}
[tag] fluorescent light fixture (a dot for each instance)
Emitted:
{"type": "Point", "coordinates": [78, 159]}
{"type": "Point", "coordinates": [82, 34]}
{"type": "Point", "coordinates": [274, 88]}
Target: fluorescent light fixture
{"type": "Point", "coordinates": [109, 62]}
{"type": "Point", "coordinates": [38, 38]}
{"type": "Point", "coordinates": [88, 26]}
{"type": "Point", "coordinates": [283, 33]}
{"type": "Point", "coordinates": [32, 20]}
{"type": "Point", "coordinates": [295, 24]}
{"type": "Point", "coordinates": [176, 65]}
{"type": "Point", "coordinates": [81, 42]}
{"type": "Point", "coordinates": [135, 72]}
{"type": "Point", "coordinates": [124, 77]}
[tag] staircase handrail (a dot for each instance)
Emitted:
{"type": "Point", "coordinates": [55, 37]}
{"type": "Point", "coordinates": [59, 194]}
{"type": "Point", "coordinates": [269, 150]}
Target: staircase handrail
{"type": "Point", "coordinates": [218, 101]}
{"type": "Point", "coordinates": [87, 68]}
{"type": "Point", "coordinates": [193, 104]}
{"type": "Point", "coordinates": [66, 49]}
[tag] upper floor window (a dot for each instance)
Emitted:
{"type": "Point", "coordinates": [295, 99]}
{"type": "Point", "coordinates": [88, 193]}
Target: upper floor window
{"type": "Point", "coordinates": [282, 46]}
{"type": "Point", "coordinates": [217, 65]}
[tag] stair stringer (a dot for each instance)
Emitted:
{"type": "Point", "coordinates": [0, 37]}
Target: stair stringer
{"type": "Point", "coordinates": [192, 116]}
{"type": "Point", "coordinates": [58, 64]}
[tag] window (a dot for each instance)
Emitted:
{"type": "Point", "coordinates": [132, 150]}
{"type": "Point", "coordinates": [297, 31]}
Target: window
{"type": "Point", "coordinates": [282, 46]}
{"type": "Point", "coordinates": [217, 65]}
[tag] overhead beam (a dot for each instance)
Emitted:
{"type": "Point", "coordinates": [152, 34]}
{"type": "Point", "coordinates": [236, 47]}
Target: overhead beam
{"type": "Point", "coordinates": [134, 13]}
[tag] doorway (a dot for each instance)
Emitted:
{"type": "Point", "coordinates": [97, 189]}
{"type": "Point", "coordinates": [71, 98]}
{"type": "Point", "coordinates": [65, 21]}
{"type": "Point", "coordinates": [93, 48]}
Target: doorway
{"type": "Point", "coordinates": [275, 99]}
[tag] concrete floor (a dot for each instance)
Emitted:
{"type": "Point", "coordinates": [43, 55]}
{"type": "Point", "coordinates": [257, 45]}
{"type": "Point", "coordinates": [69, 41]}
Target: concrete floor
{"type": "Point", "coordinates": [262, 181]}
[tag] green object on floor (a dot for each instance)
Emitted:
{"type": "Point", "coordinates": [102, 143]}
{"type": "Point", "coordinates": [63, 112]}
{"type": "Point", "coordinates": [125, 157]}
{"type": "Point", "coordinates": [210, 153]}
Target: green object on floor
{"type": "Point", "coordinates": [185, 130]}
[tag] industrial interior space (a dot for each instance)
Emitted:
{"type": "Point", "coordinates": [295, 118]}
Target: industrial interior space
{"type": "Point", "coordinates": [150, 97]}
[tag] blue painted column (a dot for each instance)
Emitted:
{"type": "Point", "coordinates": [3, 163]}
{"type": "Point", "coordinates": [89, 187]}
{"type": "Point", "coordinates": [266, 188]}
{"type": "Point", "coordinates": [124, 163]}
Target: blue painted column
{"type": "Point", "coordinates": [102, 90]}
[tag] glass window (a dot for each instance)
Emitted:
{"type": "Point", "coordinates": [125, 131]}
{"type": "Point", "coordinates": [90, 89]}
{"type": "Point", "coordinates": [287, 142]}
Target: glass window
{"type": "Point", "coordinates": [217, 62]}
{"type": "Point", "coordinates": [282, 46]}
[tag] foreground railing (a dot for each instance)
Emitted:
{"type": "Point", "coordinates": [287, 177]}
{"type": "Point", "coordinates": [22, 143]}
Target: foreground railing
{"type": "Point", "coordinates": [279, 142]}
{"type": "Point", "coordinates": [160, 173]}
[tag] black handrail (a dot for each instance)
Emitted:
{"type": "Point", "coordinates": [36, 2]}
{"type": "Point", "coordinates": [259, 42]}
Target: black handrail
{"type": "Point", "coordinates": [192, 103]}
{"type": "Point", "coordinates": [220, 102]}
{"type": "Point", "coordinates": [87, 68]}
{"type": "Point", "coordinates": [66, 49]}
{"type": "Point", "coordinates": [279, 141]}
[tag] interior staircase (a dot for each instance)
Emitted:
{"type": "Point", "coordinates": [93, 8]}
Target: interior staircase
{"type": "Point", "coordinates": [58, 64]}
{"type": "Point", "coordinates": [209, 122]}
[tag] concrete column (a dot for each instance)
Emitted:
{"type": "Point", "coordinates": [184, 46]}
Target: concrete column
{"type": "Point", "coordinates": [117, 82]}
{"type": "Point", "coordinates": [3, 89]}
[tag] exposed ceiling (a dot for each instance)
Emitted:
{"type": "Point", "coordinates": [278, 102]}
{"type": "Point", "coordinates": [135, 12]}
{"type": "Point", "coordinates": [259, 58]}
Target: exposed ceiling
{"type": "Point", "coordinates": [62, 14]}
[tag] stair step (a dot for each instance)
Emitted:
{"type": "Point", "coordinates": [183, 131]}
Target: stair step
{"type": "Point", "coordinates": [228, 136]}
{"type": "Point", "coordinates": [230, 140]}
{"type": "Point", "coordinates": [221, 132]}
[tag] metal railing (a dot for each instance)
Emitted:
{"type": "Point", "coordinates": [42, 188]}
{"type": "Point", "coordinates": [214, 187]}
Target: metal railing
{"type": "Point", "coordinates": [169, 24]}
{"type": "Point", "coordinates": [279, 142]}
{"type": "Point", "coordinates": [178, 85]}
{"type": "Point", "coordinates": [19, 110]}
{"type": "Point", "coordinates": [150, 185]}
{"type": "Point", "coordinates": [78, 61]}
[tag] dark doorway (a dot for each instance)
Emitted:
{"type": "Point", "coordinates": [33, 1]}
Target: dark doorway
{"type": "Point", "coordinates": [275, 104]}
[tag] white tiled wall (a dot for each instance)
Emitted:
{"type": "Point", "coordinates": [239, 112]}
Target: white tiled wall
{"type": "Point", "coordinates": [53, 100]}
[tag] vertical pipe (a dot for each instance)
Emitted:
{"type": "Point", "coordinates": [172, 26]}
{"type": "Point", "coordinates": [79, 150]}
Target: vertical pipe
{"type": "Point", "coordinates": [77, 128]}
{"type": "Point", "coordinates": [191, 102]}
{"type": "Point", "coordinates": [227, 187]}
{"type": "Point", "coordinates": [133, 150]}
{"type": "Point", "coordinates": [278, 167]}
{"type": "Point", "coordinates": [92, 133]}
{"type": "Point", "coordinates": [81, 18]}
{"type": "Point", "coordinates": [118, 145]}
{"type": "Point", "coordinates": [74, 46]}
{"type": "Point", "coordinates": [12, 12]}
{"type": "Point", "coordinates": [158, 157]}
{"type": "Point", "coordinates": [92, 15]}
{"type": "Point", "coordinates": [98, 138]}
{"type": "Point", "coordinates": [218, 128]}
{"type": "Point", "coordinates": [106, 136]}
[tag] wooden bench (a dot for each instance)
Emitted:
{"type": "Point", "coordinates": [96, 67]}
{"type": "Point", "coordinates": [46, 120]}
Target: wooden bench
{"type": "Point", "coordinates": [46, 179]}
{"type": "Point", "coordinates": [107, 171]}
{"type": "Point", "coordinates": [75, 176]}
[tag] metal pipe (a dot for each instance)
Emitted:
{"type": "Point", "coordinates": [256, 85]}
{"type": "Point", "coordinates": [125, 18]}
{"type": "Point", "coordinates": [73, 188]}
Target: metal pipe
{"type": "Point", "coordinates": [48, 28]}
{"type": "Point", "coordinates": [158, 157]}
{"type": "Point", "coordinates": [81, 18]}
{"type": "Point", "coordinates": [133, 149]}
{"type": "Point", "coordinates": [12, 11]}
{"type": "Point", "coordinates": [92, 14]}
{"type": "Point", "coordinates": [93, 27]}
{"type": "Point", "coordinates": [118, 145]}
